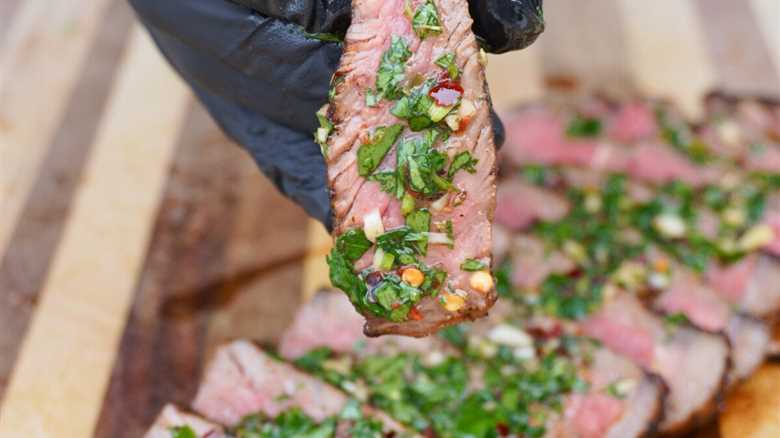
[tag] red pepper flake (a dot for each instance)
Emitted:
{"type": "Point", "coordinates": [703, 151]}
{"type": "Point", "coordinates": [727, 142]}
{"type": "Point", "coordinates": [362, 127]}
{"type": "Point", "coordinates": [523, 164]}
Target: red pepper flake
{"type": "Point", "coordinates": [502, 429]}
{"type": "Point", "coordinates": [446, 93]}
{"type": "Point", "coordinates": [415, 314]}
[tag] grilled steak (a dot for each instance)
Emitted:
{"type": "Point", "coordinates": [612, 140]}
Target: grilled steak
{"type": "Point", "coordinates": [623, 401]}
{"type": "Point", "coordinates": [327, 321]}
{"type": "Point", "coordinates": [750, 341]}
{"type": "Point", "coordinates": [241, 380]}
{"type": "Point", "coordinates": [693, 364]}
{"type": "Point", "coordinates": [172, 417]}
{"type": "Point", "coordinates": [409, 148]}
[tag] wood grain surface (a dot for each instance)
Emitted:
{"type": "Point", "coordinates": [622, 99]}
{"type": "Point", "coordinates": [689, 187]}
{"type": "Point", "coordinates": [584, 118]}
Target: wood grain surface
{"type": "Point", "coordinates": [134, 237]}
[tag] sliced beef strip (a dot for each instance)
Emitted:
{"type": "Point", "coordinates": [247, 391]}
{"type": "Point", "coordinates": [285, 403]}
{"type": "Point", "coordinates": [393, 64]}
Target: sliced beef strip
{"type": "Point", "coordinates": [327, 321]}
{"type": "Point", "coordinates": [750, 341]}
{"type": "Point", "coordinates": [598, 414]}
{"type": "Point", "coordinates": [521, 204]}
{"type": "Point", "coordinates": [751, 284]}
{"type": "Point", "coordinates": [693, 364]}
{"type": "Point", "coordinates": [595, 413]}
{"type": "Point", "coordinates": [242, 380]}
{"type": "Point", "coordinates": [373, 25]}
{"type": "Point", "coordinates": [171, 417]}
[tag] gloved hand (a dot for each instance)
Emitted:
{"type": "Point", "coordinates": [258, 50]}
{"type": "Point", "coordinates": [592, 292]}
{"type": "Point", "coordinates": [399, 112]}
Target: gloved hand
{"type": "Point", "coordinates": [261, 75]}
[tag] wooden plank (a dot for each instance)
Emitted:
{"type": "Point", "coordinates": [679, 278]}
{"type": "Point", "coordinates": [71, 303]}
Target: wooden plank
{"type": "Point", "coordinates": [767, 14]}
{"type": "Point", "coordinates": [667, 52]}
{"type": "Point", "coordinates": [315, 268]}
{"type": "Point", "coordinates": [59, 381]}
{"type": "Point", "coordinates": [44, 51]}
{"type": "Point", "coordinates": [260, 289]}
{"type": "Point", "coordinates": [39, 230]}
{"type": "Point", "coordinates": [8, 9]}
{"type": "Point", "coordinates": [584, 47]}
{"type": "Point", "coordinates": [743, 59]}
{"type": "Point", "coordinates": [161, 352]}
{"type": "Point", "coordinates": [515, 78]}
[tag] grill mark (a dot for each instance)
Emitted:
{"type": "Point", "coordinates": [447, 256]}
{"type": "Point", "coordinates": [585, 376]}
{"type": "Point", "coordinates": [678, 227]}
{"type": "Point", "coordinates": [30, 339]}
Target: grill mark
{"type": "Point", "coordinates": [42, 221]}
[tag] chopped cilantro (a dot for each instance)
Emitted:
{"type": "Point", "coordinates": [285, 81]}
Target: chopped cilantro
{"type": "Point", "coordinates": [674, 320]}
{"type": "Point", "coordinates": [391, 72]}
{"type": "Point", "coordinates": [471, 265]}
{"type": "Point", "coordinates": [426, 20]}
{"type": "Point", "coordinates": [570, 298]}
{"type": "Point", "coordinates": [182, 432]}
{"type": "Point", "coordinates": [584, 127]}
{"type": "Point", "coordinates": [371, 154]}
{"type": "Point", "coordinates": [353, 244]}
{"type": "Point", "coordinates": [415, 107]}
{"type": "Point", "coordinates": [464, 161]}
{"type": "Point", "coordinates": [447, 62]}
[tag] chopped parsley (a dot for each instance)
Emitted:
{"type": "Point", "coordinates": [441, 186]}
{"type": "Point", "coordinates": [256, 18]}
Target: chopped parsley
{"type": "Point", "coordinates": [462, 161]}
{"type": "Point", "coordinates": [353, 244]}
{"type": "Point", "coordinates": [440, 399]}
{"type": "Point", "coordinates": [447, 62]}
{"type": "Point", "coordinates": [182, 432]}
{"type": "Point", "coordinates": [472, 265]}
{"type": "Point", "coordinates": [570, 298]}
{"type": "Point", "coordinates": [426, 20]}
{"type": "Point", "coordinates": [371, 154]}
{"type": "Point", "coordinates": [391, 73]}
{"type": "Point", "coordinates": [415, 107]}
{"type": "Point", "coordinates": [584, 127]}
{"type": "Point", "coordinates": [295, 423]}
{"type": "Point", "coordinates": [680, 137]}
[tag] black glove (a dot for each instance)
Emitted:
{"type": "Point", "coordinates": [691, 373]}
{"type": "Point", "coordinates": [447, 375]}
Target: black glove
{"type": "Point", "coordinates": [261, 75]}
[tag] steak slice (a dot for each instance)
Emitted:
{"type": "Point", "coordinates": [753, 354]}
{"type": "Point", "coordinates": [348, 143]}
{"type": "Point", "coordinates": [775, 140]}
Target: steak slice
{"type": "Point", "coordinates": [692, 363]}
{"type": "Point", "coordinates": [750, 343]}
{"type": "Point", "coordinates": [327, 320]}
{"type": "Point", "coordinates": [750, 284]}
{"type": "Point", "coordinates": [242, 380]}
{"type": "Point", "coordinates": [172, 417]}
{"type": "Point", "coordinates": [623, 401]}
{"type": "Point", "coordinates": [411, 166]}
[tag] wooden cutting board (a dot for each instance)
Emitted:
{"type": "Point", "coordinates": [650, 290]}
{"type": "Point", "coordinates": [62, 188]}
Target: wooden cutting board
{"type": "Point", "coordinates": [134, 238]}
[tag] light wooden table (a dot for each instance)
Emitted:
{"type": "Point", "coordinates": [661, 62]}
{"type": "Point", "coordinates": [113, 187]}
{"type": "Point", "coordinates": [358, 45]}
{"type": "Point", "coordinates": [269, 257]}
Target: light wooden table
{"type": "Point", "coordinates": [134, 237]}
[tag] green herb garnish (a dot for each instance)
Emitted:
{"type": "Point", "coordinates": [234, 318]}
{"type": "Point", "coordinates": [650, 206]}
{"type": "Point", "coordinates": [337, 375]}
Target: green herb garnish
{"type": "Point", "coordinates": [371, 154]}
{"type": "Point", "coordinates": [391, 72]}
{"type": "Point", "coordinates": [426, 20]}
{"type": "Point", "coordinates": [447, 62]}
{"type": "Point", "coordinates": [353, 244]}
{"type": "Point", "coordinates": [584, 127]}
{"type": "Point", "coordinates": [472, 265]}
{"type": "Point", "coordinates": [462, 161]}
{"type": "Point", "coordinates": [182, 432]}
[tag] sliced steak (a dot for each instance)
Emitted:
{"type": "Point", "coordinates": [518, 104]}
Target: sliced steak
{"type": "Point", "coordinates": [689, 295]}
{"type": "Point", "coordinates": [750, 341]}
{"type": "Point", "coordinates": [750, 284]}
{"type": "Point", "coordinates": [692, 363]}
{"type": "Point", "coordinates": [521, 204]}
{"type": "Point", "coordinates": [326, 321]}
{"type": "Point", "coordinates": [410, 121]}
{"type": "Point", "coordinates": [623, 401]}
{"type": "Point", "coordinates": [242, 380]}
{"type": "Point", "coordinates": [172, 417]}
